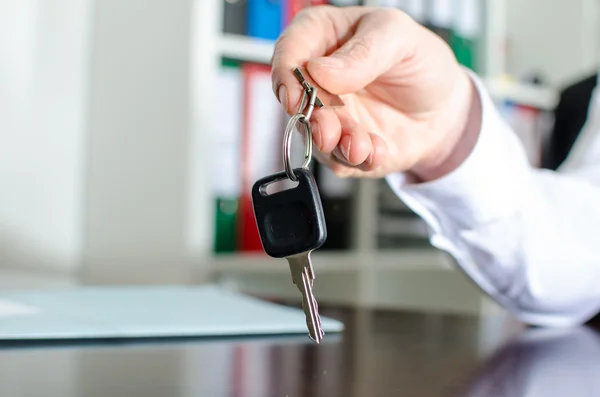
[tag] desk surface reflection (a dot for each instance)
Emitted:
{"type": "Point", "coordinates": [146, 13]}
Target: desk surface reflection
{"type": "Point", "coordinates": [380, 354]}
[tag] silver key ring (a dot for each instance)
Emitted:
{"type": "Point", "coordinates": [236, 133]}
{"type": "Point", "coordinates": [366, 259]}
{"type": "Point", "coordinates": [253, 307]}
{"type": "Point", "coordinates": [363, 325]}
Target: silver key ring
{"type": "Point", "coordinates": [287, 145]}
{"type": "Point", "coordinates": [303, 119]}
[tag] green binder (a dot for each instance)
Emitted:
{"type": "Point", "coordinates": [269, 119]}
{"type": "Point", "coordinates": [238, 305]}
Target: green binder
{"type": "Point", "coordinates": [465, 50]}
{"type": "Point", "coordinates": [466, 33]}
{"type": "Point", "coordinates": [226, 210]}
{"type": "Point", "coordinates": [227, 139]}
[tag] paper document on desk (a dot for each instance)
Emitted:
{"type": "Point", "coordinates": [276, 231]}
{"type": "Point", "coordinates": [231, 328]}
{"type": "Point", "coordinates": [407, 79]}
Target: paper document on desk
{"type": "Point", "coordinates": [146, 312]}
{"type": "Point", "coordinates": [11, 309]}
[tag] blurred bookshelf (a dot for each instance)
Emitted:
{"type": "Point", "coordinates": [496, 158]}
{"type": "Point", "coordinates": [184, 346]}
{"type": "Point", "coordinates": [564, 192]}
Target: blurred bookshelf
{"type": "Point", "coordinates": [250, 49]}
{"type": "Point", "coordinates": [528, 94]}
{"type": "Point", "coordinates": [245, 48]}
{"type": "Point", "coordinates": [379, 254]}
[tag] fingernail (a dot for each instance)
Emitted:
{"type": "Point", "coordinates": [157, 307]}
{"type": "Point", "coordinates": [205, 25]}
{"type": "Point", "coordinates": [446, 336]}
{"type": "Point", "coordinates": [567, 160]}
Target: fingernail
{"type": "Point", "coordinates": [314, 127]}
{"type": "Point", "coordinates": [331, 62]}
{"type": "Point", "coordinates": [345, 146]}
{"type": "Point", "coordinates": [342, 149]}
{"type": "Point", "coordinates": [338, 155]}
{"type": "Point", "coordinates": [283, 97]}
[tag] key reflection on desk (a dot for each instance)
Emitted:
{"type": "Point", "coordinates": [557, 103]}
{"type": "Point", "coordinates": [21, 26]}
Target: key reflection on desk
{"type": "Point", "coordinates": [542, 363]}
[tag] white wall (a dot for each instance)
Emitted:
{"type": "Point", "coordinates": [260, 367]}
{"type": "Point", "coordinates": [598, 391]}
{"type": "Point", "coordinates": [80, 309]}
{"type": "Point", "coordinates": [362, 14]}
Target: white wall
{"type": "Point", "coordinates": [137, 156]}
{"type": "Point", "coordinates": [95, 139]}
{"type": "Point", "coordinates": [557, 37]}
{"type": "Point", "coordinates": [43, 76]}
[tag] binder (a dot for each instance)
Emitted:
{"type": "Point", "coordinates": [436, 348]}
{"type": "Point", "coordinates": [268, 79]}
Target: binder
{"type": "Point", "coordinates": [100, 313]}
{"type": "Point", "coordinates": [441, 18]}
{"type": "Point", "coordinates": [338, 201]}
{"type": "Point", "coordinates": [265, 18]}
{"type": "Point", "coordinates": [346, 3]}
{"type": "Point", "coordinates": [391, 3]}
{"type": "Point", "coordinates": [528, 124]}
{"type": "Point", "coordinates": [416, 9]}
{"type": "Point", "coordinates": [261, 145]}
{"type": "Point", "coordinates": [293, 7]}
{"type": "Point", "coordinates": [397, 225]}
{"type": "Point", "coordinates": [235, 16]}
{"type": "Point", "coordinates": [226, 151]}
{"type": "Point", "coordinates": [466, 28]}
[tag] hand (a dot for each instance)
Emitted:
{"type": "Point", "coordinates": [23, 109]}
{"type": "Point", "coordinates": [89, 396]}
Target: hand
{"type": "Point", "coordinates": [408, 105]}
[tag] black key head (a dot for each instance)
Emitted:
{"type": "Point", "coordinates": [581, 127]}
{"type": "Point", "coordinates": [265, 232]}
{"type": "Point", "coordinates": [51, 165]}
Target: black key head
{"type": "Point", "coordinates": [290, 221]}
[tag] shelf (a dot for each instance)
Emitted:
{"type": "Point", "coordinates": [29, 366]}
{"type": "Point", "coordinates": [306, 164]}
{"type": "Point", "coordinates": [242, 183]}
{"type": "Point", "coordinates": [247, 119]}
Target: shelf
{"type": "Point", "coordinates": [411, 260]}
{"type": "Point", "coordinates": [416, 279]}
{"type": "Point", "coordinates": [526, 94]}
{"type": "Point", "coordinates": [322, 262]}
{"type": "Point", "coordinates": [251, 49]}
{"type": "Point", "coordinates": [246, 48]}
{"type": "Point", "coordinates": [338, 262]}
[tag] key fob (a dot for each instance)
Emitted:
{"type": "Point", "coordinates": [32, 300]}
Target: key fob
{"type": "Point", "coordinates": [290, 221]}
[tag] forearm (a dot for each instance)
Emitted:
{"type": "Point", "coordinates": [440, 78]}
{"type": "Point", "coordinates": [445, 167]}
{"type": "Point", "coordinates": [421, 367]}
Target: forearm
{"type": "Point", "coordinates": [527, 237]}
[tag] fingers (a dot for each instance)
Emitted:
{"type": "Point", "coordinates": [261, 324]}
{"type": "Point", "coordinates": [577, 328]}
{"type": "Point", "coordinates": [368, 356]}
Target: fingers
{"type": "Point", "coordinates": [326, 129]}
{"type": "Point", "coordinates": [313, 33]}
{"type": "Point", "coordinates": [382, 39]}
{"type": "Point", "coordinates": [337, 135]}
{"type": "Point", "coordinates": [379, 153]}
{"type": "Point", "coordinates": [354, 146]}
{"type": "Point", "coordinates": [340, 51]}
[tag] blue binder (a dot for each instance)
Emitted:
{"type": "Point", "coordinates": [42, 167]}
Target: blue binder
{"type": "Point", "coordinates": [265, 18]}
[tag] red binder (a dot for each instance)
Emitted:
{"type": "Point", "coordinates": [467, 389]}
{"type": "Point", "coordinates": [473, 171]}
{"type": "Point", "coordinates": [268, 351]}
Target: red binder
{"type": "Point", "coordinates": [293, 7]}
{"type": "Point", "coordinates": [261, 146]}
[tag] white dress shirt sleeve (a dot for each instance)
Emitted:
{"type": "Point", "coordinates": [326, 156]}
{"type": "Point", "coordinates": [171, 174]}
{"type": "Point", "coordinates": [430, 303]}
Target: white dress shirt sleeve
{"type": "Point", "coordinates": [529, 238]}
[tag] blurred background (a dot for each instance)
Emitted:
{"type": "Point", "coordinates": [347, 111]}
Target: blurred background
{"type": "Point", "coordinates": [131, 132]}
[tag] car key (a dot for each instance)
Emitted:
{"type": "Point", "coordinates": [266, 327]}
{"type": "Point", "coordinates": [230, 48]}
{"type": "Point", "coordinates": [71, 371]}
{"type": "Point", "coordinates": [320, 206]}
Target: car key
{"type": "Point", "coordinates": [291, 224]}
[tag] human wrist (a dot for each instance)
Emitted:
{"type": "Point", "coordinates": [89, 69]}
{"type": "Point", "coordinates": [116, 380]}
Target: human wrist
{"type": "Point", "coordinates": [460, 124]}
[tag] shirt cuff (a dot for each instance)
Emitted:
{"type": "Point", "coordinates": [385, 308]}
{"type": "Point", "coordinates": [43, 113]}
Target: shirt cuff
{"type": "Point", "coordinates": [487, 186]}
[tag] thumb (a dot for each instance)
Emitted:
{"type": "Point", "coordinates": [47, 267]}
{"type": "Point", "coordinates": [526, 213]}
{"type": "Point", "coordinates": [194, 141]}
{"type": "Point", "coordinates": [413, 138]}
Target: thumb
{"type": "Point", "coordinates": [381, 40]}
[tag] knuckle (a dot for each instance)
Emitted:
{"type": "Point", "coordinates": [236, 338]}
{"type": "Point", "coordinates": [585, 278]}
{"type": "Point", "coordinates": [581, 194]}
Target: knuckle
{"type": "Point", "coordinates": [391, 15]}
{"type": "Point", "coordinates": [315, 15]}
{"type": "Point", "coordinates": [280, 43]}
{"type": "Point", "coordinates": [393, 18]}
{"type": "Point", "coordinates": [313, 11]}
{"type": "Point", "coordinates": [361, 49]}
{"type": "Point", "coordinates": [307, 15]}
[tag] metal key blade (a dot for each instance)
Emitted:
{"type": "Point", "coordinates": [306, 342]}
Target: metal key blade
{"type": "Point", "coordinates": [303, 276]}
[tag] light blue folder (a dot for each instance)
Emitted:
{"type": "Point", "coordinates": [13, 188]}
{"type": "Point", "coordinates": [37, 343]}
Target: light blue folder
{"type": "Point", "coordinates": [146, 312]}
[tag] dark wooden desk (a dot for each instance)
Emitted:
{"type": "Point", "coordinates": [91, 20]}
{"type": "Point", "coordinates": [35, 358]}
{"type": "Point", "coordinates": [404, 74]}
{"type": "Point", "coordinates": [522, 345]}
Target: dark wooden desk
{"type": "Point", "coordinates": [380, 354]}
